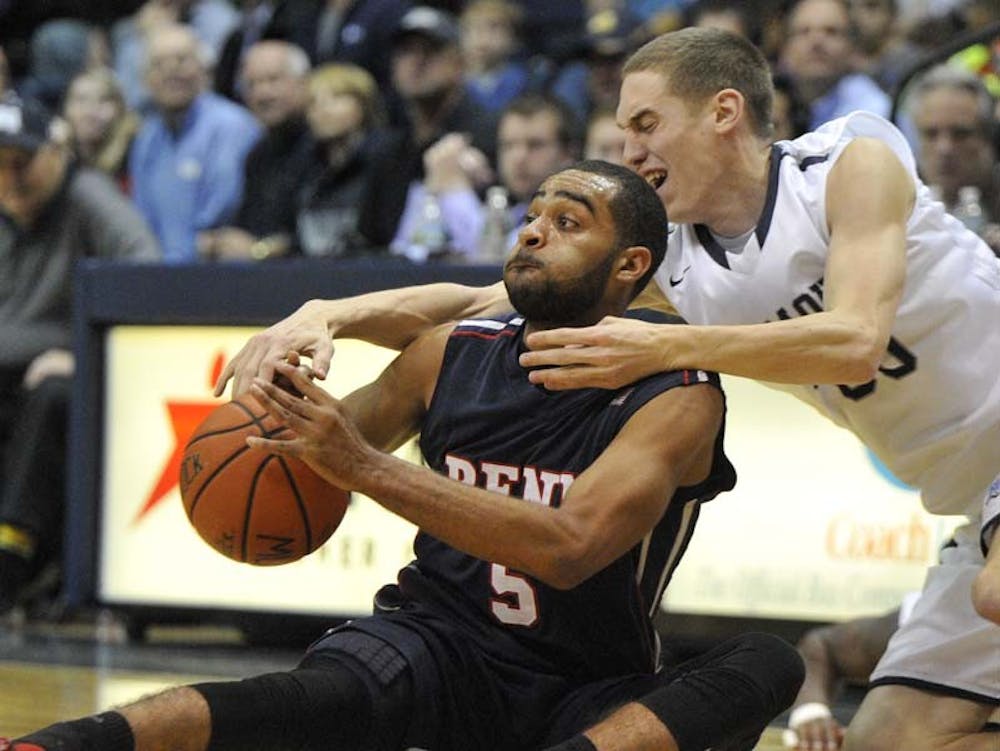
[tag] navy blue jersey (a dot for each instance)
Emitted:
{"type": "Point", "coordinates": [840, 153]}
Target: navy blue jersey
{"type": "Point", "coordinates": [488, 425]}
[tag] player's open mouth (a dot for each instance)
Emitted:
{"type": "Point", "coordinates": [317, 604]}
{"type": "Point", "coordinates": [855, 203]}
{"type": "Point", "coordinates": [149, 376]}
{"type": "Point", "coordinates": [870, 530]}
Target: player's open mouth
{"type": "Point", "coordinates": [656, 179]}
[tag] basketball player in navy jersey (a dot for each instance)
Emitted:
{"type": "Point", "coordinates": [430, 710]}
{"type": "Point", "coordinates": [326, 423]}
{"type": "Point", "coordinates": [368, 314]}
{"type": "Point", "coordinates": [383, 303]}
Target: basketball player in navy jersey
{"type": "Point", "coordinates": [822, 264]}
{"type": "Point", "coordinates": [549, 525]}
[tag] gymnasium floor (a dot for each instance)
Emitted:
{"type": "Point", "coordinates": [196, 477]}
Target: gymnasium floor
{"type": "Point", "coordinates": [58, 669]}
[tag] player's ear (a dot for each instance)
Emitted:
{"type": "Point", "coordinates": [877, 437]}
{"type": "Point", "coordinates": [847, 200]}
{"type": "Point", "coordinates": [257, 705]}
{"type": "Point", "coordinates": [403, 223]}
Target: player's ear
{"type": "Point", "coordinates": [729, 109]}
{"type": "Point", "coordinates": [633, 263]}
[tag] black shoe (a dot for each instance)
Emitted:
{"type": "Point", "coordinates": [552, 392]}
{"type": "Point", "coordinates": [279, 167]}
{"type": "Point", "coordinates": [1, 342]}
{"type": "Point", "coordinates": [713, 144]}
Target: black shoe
{"type": "Point", "coordinates": [15, 573]}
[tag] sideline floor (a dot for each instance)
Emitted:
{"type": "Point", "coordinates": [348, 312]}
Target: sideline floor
{"type": "Point", "coordinates": [55, 671]}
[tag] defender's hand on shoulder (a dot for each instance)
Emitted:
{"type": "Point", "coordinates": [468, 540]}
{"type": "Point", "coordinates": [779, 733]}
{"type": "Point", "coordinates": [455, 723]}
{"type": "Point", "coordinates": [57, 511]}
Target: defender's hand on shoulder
{"type": "Point", "coordinates": [612, 354]}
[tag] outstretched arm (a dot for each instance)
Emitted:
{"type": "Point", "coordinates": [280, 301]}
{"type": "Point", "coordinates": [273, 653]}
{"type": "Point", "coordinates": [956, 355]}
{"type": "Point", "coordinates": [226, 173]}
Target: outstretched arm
{"type": "Point", "coordinates": [390, 318]}
{"type": "Point", "coordinates": [869, 198]}
{"type": "Point", "coordinates": [606, 511]}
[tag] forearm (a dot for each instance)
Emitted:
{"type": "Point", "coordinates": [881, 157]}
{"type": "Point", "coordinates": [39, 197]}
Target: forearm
{"type": "Point", "coordinates": [528, 537]}
{"type": "Point", "coordinates": [394, 318]}
{"type": "Point", "coordinates": [819, 348]}
{"type": "Point", "coordinates": [820, 680]}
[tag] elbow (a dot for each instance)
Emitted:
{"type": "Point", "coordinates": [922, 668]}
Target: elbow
{"type": "Point", "coordinates": [863, 356]}
{"type": "Point", "coordinates": [564, 576]}
{"type": "Point", "coordinates": [986, 596]}
{"type": "Point", "coordinates": [569, 565]}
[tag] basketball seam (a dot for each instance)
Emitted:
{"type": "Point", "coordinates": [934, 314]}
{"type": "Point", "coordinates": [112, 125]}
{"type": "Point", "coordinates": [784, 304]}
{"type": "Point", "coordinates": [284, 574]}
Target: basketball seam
{"type": "Point", "coordinates": [250, 500]}
{"type": "Point", "coordinates": [222, 431]}
{"type": "Point", "coordinates": [257, 420]}
{"type": "Point", "coordinates": [254, 420]}
{"type": "Point", "coordinates": [229, 460]}
{"type": "Point", "coordinates": [298, 502]}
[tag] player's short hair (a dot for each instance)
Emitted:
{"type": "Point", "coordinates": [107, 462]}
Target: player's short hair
{"type": "Point", "coordinates": [697, 63]}
{"type": "Point", "coordinates": [345, 78]}
{"type": "Point", "coordinates": [637, 211]}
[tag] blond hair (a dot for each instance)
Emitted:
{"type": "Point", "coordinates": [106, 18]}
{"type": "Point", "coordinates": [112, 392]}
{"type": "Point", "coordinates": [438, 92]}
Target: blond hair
{"type": "Point", "coordinates": [112, 152]}
{"type": "Point", "coordinates": [344, 78]}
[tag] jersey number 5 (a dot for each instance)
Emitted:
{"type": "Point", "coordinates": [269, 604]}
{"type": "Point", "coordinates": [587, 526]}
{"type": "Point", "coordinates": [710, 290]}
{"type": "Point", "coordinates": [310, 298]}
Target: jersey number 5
{"type": "Point", "coordinates": [519, 606]}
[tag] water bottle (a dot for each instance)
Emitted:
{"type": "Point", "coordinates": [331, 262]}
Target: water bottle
{"type": "Point", "coordinates": [496, 227]}
{"type": "Point", "coordinates": [968, 210]}
{"type": "Point", "coordinates": [430, 236]}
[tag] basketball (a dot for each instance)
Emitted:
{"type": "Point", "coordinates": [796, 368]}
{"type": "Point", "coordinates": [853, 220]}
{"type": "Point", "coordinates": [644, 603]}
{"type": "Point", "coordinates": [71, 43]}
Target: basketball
{"type": "Point", "coordinates": [252, 506]}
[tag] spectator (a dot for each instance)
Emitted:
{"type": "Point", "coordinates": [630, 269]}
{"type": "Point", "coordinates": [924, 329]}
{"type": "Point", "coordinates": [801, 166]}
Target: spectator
{"type": "Point", "coordinates": [594, 81]}
{"type": "Point", "coordinates": [604, 139]}
{"type": "Point", "coordinates": [255, 19]}
{"type": "Point", "coordinates": [554, 28]}
{"type": "Point", "coordinates": [490, 43]}
{"type": "Point", "coordinates": [537, 136]}
{"type": "Point", "coordinates": [954, 118]}
{"type": "Point", "coordinates": [428, 76]}
{"type": "Point", "coordinates": [789, 114]}
{"type": "Point", "coordinates": [881, 49]}
{"type": "Point", "coordinates": [52, 214]}
{"type": "Point", "coordinates": [345, 116]}
{"type": "Point", "coordinates": [274, 80]}
{"type": "Point", "coordinates": [60, 49]}
{"type": "Point", "coordinates": [343, 31]}
{"type": "Point", "coordinates": [187, 161]}
{"type": "Point", "coordinates": [817, 56]}
{"type": "Point", "coordinates": [101, 126]}
{"type": "Point", "coordinates": [5, 81]}
{"type": "Point", "coordinates": [211, 20]}
{"type": "Point", "coordinates": [728, 15]}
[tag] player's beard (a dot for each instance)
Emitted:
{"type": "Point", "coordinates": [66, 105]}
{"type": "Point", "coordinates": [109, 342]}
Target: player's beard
{"type": "Point", "coordinates": [545, 301]}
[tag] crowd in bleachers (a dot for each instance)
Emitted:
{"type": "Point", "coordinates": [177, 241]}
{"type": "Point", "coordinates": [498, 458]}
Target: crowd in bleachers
{"type": "Point", "coordinates": [195, 131]}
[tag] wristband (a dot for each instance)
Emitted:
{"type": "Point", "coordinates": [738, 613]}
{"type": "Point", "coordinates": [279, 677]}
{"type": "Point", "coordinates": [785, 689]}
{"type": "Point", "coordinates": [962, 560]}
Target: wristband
{"type": "Point", "coordinates": [813, 710]}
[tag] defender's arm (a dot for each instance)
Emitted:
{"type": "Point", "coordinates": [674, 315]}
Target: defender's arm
{"type": "Point", "coordinates": [390, 318]}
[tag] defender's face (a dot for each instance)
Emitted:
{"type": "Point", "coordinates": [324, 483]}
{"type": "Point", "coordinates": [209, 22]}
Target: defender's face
{"type": "Point", "coordinates": [558, 271]}
{"type": "Point", "coordinates": [670, 143]}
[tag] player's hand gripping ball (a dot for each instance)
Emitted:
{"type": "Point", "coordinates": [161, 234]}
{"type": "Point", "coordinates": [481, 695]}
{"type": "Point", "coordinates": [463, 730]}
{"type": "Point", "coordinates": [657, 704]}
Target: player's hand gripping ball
{"type": "Point", "coordinates": [249, 505]}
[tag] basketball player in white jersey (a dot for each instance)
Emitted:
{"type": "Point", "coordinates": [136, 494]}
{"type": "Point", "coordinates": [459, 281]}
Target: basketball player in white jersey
{"type": "Point", "coordinates": [821, 265]}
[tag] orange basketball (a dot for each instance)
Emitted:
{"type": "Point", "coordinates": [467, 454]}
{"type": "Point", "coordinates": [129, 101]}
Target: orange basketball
{"type": "Point", "coordinates": [252, 506]}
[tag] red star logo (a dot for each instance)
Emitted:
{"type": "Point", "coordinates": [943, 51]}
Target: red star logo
{"type": "Point", "coordinates": [184, 418]}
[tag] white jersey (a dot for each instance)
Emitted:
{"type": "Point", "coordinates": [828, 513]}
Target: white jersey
{"type": "Point", "coordinates": [933, 413]}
